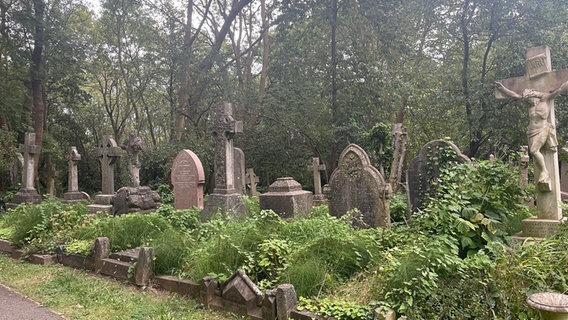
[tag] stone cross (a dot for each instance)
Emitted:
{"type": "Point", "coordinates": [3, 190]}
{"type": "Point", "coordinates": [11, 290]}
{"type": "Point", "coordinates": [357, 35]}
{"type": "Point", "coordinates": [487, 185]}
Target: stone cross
{"type": "Point", "coordinates": [252, 180]}
{"type": "Point", "coordinates": [108, 154]}
{"type": "Point", "coordinates": [223, 128]}
{"type": "Point", "coordinates": [540, 85]}
{"type": "Point", "coordinates": [316, 167]}
{"type": "Point", "coordinates": [29, 149]}
{"type": "Point", "coordinates": [73, 157]}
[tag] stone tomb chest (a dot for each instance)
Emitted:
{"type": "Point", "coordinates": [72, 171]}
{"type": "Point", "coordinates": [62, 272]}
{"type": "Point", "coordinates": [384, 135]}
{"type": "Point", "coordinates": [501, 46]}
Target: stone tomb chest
{"type": "Point", "coordinates": [286, 198]}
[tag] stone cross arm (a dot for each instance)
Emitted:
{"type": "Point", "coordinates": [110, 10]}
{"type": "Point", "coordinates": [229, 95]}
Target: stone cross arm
{"type": "Point", "coordinates": [545, 83]}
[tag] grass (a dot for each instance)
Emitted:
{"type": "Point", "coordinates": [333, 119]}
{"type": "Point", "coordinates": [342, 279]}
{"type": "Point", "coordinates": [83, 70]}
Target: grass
{"type": "Point", "coordinates": [77, 294]}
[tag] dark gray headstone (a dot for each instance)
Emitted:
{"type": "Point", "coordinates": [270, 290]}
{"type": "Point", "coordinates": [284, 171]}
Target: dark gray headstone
{"type": "Point", "coordinates": [424, 170]}
{"type": "Point", "coordinates": [355, 184]}
{"type": "Point", "coordinates": [240, 179]}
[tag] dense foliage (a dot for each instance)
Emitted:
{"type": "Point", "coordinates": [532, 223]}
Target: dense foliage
{"type": "Point", "coordinates": [455, 260]}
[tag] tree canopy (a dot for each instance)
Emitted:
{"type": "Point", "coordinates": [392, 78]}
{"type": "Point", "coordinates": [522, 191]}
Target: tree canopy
{"type": "Point", "coordinates": [307, 77]}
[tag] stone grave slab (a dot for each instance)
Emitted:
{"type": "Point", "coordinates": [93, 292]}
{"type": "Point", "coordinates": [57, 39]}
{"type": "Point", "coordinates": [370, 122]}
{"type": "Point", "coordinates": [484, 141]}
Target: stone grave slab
{"type": "Point", "coordinates": [286, 197]}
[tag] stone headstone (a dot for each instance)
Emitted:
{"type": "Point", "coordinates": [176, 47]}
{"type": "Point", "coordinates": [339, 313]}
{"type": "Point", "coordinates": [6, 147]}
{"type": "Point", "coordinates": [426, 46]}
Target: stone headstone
{"type": "Point", "coordinates": [239, 164]}
{"type": "Point", "coordinates": [540, 86]}
{"type": "Point", "coordinates": [424, 171]}
{"type": "Point", "coordinates": [356, 184]}
{"type": "Point", "coordinates": [225, 197]}
{"type": "Point", "coordinates": [133, 145]}
{"type": "Point", "coordinates": [286, 197]}
{"type": "Point", "coordinates": [73, 194]}
{"type": "Point", "coordinates": [27, 193]}
{"type": "Point", "coordinates": [187, 178]}
{"type": "Point", "coordinates": [252, 181]}
{"type": "Point", "coordinates": [316, 168]}
{"type": "Point", "coordinates": [564, 172]}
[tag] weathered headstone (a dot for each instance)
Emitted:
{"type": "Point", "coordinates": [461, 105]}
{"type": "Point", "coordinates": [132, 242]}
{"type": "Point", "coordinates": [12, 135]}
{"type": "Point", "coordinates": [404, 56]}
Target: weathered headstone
{"type": "Point", "coordinates": [225, 197]}
{"type": "Point", "coordinates": [73, 194]}
{"type": "Point", "coordinates": [27, 193]}
{"type": "Point", "coordinates": [286, 197]}
{"type": "Point", "coordinates": [239, 164]}
{"type": "Point", "coordinates": [524, 164]}
{"type": "Point", "coordinates": [356, 184]}
{"type": "Point", "coordinates": [188, 178]}
{"type": "Point", "coordinates": [540, 86]}
{"type": "Point", "coordinates": [133, 145]}
{"type": "Point", "coordinates": [424, 171]}
{"type": "Point", "coordinates": [252, 181]}
{"type": "Point", "coordinates": [109, 153]}
{"type": "Point", "coordinates": [315, 168]}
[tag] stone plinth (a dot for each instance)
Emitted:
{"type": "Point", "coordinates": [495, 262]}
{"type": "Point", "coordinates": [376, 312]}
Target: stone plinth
{"type": "Point", "coordinates": [286, 198]}
{"type": "Point", "coordinates": [550, 305]}
{"type": "Point", "coordinates": [533, 227]}
{"type": "Point", "coordinates": [230, 203]}
{"type": "Point", "coordinates": [75, 196]}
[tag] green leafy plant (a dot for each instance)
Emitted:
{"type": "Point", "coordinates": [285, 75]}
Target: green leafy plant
{"type": "Point", "coordinates": [340, 310]}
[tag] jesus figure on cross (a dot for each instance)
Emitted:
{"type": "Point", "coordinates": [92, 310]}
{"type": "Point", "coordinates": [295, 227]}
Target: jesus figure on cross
{"type": "Point", "coordinates": [541, 131]}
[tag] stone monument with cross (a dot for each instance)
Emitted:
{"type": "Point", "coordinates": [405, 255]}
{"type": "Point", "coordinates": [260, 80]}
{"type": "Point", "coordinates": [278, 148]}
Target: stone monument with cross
{"type": "Point", "coordinates": [225, 198]}
{"type": "Point", "coordinates": [109, 153]}
{"type": "Point", "coordinates": [73, 194]}
{"type": "Point", "coordinates": [319, 198]}
{"type": "Point", "coordinates": [252, 181]}
{"type": "Point", "coordinates": [27, 193]}
{"type": "Point", "coordinates": [539, 86]}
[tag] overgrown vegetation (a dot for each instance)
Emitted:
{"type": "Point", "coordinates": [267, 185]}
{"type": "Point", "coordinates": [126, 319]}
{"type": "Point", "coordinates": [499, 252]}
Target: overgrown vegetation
{"type": "Point", "coordinates": [454, 260]}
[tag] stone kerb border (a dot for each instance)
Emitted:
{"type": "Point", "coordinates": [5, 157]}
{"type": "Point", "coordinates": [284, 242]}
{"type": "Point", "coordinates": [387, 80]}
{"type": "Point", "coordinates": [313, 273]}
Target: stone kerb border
{"type": "Point", "coordinates": [238, 294]}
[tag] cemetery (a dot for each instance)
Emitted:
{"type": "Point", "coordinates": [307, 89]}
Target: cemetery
{"type": "Point", "coordinates": [365, 161]}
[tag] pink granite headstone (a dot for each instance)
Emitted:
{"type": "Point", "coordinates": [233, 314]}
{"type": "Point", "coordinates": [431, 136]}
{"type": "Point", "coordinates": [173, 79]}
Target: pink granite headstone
{"type": "Point", "coordinates": [188, 178]}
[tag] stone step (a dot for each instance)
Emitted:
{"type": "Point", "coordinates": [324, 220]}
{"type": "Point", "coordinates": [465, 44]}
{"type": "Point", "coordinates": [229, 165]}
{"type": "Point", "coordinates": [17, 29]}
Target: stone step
{"type": "Point", "coordinates": [130, 256]}
{"type": "Point", "coordinates": [117, 269]}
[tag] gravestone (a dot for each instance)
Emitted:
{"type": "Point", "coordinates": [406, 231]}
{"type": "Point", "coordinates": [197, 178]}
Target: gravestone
{"type": "Point", "coordinates": [424, 171]}
{"type": "Point", "coordinates": [135, 200]}
{"type": "Point", "coordinates": [540, 86]}
{"type": "Point", "coordinates": [73, 194]}
{"type": "Point", "coordinates": [286, 198]}
{"type": "Point", "coordinates": [133, 145]}
{"type": "Point", "coordinates": [564, 172]}
{"type": "Point", "coordinates": [27, 193]}
{"type": "Point", "coordinates": [109, 153]}
{"type": "Point", "coordinates": [187, 178]}
{"type": "Point", "coordinates": [240, 179]}
{"type": "Point", "coordinates": [524, 164]}
{"type": "Point", "coordinates": [356, 184]}
{"type": "Point", "coordinates": [252, 181]}
{"type": "Point", "coordinates": [315, 168]}
{"type": "Point", "coordinates": [225, 197]}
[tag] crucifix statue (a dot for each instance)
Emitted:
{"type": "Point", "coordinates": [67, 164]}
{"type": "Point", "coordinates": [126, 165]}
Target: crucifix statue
{"type": "Point", "coordinates": [539, 86]}
{"type": "Point", "coordinates": [109, 153]}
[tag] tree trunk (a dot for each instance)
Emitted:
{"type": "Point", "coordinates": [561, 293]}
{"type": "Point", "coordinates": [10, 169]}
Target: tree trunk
{"type": "Point", "coordinates": [36, 75]}
{"type": "Point", "coordinates": [334, 106]}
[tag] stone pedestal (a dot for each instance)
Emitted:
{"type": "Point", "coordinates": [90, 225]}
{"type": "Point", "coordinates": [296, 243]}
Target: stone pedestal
{"type": "Point", "coordinates": [286, 198]}
{"type": "Point", "coordinates": [533, 227]}
{"type": "Point", "coordinates": [230, 203]}
{"type": "Point", "coordinates": [550, 305]}
{"type": "Point", "coordinates": [24, 196]}
{"type": "Point", "coordinates": [103, 203]}
{"type": "Point", "coordinates": [75, 196]}
{"type": "Point", "coordinates": [135, 199]}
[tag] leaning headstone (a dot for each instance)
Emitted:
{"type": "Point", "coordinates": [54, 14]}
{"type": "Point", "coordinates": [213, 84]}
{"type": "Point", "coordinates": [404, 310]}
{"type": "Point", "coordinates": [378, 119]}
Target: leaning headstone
{"type": "Point", "coordinates": [286, 197]}
{"type": "Point", "coordinates": [225, 197]}
{"type": "Point", "coordinates": [356, 184]}
{"type": "Point", "coordinates": [109, 153]}
{"type": "Point", "coordinates": [252, 181]}
{"type": "Point", "coordinates": [539, 87]}
{"type": "Point", "coordinates": [27, 193]}
{"type": "Point", "coordinates": [188, 178]}
{"type": "Point", "coordinates": [73, 194]}
{"type": "Point", "coordinates": [239, 164]}
{"type": "Point", "coordinates": [424, 170]}
{"type": "Point", "coordinates": [315, 168]}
